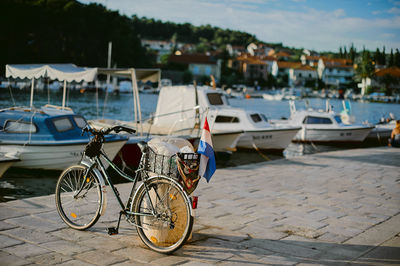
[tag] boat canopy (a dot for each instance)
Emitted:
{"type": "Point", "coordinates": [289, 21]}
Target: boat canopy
{"type": "Point", "coordinates": [61, 72]}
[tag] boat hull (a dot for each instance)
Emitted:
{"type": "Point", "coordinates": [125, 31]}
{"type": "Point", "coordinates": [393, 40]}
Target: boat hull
{"type": "Point", "coordinates": [225, 141]}
{"type": "Point", "coordinates": [55, 157]}
{"type": "Point", "coordinates": [339, 135]}
{"type": "Point", "coordinates": [277, 139]}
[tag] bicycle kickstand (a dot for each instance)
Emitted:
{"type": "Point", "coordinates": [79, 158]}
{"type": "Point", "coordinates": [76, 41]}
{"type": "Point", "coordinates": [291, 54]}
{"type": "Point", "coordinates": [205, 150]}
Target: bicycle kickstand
{"type": "Point", "coordinates": [114, 230]}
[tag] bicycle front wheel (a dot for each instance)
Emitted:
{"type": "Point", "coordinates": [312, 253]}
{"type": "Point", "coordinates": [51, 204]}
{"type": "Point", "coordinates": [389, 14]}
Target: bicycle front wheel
{"type": "Point", "coordinates": [78, 197]}
{"type": "Point", "coordinates": [163, 215]}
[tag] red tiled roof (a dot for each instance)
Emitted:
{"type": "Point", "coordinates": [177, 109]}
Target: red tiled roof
{"type": "Point", "coordinates": [392, 71]}
{"type": "Point", "coordinates": [193, 59]}
{"type": "Point", "coordinates": [284, 64]}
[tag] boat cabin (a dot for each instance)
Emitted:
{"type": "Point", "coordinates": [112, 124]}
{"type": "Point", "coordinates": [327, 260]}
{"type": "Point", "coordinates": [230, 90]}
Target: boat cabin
{"type": "Point", "coordinates": [26, 124]}
{"type": "Point", "coordinates": [181, 107]}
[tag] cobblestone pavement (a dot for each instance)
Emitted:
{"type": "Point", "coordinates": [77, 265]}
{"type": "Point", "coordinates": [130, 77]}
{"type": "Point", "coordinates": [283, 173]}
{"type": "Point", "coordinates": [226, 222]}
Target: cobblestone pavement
{"type": "Point", "coordinates": [334, 208]}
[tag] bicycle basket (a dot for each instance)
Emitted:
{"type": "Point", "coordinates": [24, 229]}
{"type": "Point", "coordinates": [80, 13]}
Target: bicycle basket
{"type": "Point", "coordinates": [160, 164]}
{"type": "Point", "coordinates": [93, 148]}
{"type": "Point", "coordinates": [188, 169]}
{"type": "Point", "coordinates": [183, 167]}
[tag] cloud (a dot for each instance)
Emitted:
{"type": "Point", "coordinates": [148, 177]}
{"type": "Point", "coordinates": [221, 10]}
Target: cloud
{"type": "Point", "coordinates": [394, 10]}
{"type": "Point", "coordinates": [306, 27]}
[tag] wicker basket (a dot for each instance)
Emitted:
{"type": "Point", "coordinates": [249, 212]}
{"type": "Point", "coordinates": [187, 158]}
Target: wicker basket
{"type": "Point", "coordinates": [183, 167]}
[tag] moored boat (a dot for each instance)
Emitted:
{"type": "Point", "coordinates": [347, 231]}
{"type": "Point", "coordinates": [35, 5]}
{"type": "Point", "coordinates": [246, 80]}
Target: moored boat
{"type": "Point", "coordinates": [47, 138]}
{"type": "Point", "coordinates": [324, 126]}
{"type": "Point", "coordinates": [184, 108]}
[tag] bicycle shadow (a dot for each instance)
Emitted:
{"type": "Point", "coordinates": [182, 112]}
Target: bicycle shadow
{"type": "Point", "coordinates": [255, 251]}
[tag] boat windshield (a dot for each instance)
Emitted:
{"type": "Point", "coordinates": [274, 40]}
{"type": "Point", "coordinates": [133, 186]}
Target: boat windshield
{"type": "Point", "coordinates": [338, 119]}
{"type": "Point", "coordinates": [317, 120]}
{"type": "Point", "coordinates": [256, 118]}
{"type": "Point", "coordinates": [215, 98]}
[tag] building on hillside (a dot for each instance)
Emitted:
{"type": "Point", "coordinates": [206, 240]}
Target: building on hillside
{"type": "Point", "coordinates": [159, 47]}
{"type": "Point", "coordinates": [282, 55]}
{"type": "Point", "coordinates": [335, 72]}
{"type": "Point", "coordinates": [198, 64]}
{"type": "Point", "coordinates": [298, 75]}
{"type": "Point", "coordinates": [259, 49]}
{"type": "Point", "coordinates": [303, 76]}
{"type": "Point", "coordinates": [235, 50]}
{"type": "Point", "coordinates": [386, 78]}
{"type": "Point", "coordinates": [252, 67]}
{"type": "Point", "coordinates": [311, 60]}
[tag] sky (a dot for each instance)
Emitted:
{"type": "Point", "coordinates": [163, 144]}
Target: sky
{"type": "Point", "coordinates": [320, 25]}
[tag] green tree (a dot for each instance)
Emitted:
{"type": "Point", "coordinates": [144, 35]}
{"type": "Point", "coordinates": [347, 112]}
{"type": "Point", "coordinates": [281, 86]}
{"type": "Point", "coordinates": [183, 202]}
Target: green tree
{"type": "Point", "coordinates": [391, 59]}
{"type": "Point", "coordinates": [365, 68]}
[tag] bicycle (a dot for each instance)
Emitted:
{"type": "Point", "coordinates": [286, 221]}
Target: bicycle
{"type": "Point", "coordinates": [159, 207]}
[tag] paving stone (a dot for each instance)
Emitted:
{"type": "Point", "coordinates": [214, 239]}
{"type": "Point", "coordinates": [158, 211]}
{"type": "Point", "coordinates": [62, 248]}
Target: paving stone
{"type": "Point", "coordinates": [6, 241]}
{"type": "Point", "coordinates": [99, 258]}
{"type": "Point", "coordinates": [6, 226]}
{"type": "Point", "coordinates": [52, 258]}
{"type": "Point", "coordinates": [75, 263]}
{"type": "Point", "coordinates": [8, 259]}
{"type": "Point", "coordinates": [31, 236]}
{"type": "Point", "coordinates": [35, 223]}
{"type": "Point", "coordinates": [65, 247]}
{"type": "Point", "coordinates": [26, 250]}
{"type": "Point", "coordinates": [138, 255]}
{"type": "Point", "coordinates": [7, 213]}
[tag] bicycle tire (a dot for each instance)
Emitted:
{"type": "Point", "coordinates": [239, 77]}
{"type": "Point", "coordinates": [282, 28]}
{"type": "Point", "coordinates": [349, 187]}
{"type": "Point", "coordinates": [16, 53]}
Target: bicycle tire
{"type": "Point", "coordinates": [79, 211]}
{"type": "Point", "coordinates": [170, 227]}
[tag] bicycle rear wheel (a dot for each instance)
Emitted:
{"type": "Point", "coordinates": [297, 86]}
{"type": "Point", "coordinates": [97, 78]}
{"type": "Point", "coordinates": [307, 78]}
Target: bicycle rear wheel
{"type": "Point", "coordinates": [169, 227]}
{"type": "Point", "coordinates": [78, 197]}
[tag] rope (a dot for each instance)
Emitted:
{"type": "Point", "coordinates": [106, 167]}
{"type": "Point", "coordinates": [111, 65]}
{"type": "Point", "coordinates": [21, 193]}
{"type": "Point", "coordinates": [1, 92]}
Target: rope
{"type": "Point", "coordinates": [260, 153]}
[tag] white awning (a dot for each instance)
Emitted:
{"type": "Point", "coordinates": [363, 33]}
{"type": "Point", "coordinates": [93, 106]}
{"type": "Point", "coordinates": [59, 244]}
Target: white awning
{"type": "Point", "coordinates": [61, 72]}
{"type": "Point", "coordinates": [151, 74]}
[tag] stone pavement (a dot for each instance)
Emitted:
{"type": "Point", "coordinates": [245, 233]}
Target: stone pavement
{"type": "Point", "coordinates": [334, 208]}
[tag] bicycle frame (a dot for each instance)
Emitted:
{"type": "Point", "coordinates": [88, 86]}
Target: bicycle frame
{"type": "Point", "coordinates": [124, 208]}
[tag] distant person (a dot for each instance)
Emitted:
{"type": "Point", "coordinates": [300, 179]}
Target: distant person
{"type": "Point", "coordinates": [394, 140]}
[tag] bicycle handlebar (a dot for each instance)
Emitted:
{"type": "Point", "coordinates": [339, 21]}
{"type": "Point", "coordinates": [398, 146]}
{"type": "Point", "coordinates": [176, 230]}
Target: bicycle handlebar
{"type": "Point", "coordinates": [106, 131]}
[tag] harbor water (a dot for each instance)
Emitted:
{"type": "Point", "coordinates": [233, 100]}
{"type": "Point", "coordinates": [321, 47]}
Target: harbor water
{"type": "Point", "coordinates": [16, 184]}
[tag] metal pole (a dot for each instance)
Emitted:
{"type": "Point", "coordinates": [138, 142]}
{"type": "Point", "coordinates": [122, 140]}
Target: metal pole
{"type": "Point", "coordinates": [32, 87]}
{"type": "Point", "coordinates": [64, 91]}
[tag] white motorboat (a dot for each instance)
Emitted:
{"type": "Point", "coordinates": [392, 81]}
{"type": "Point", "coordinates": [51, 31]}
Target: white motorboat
{"type": "Point", "coordinates": [184, 108]}
{"type": "Point", "coordinates": [323, 126]}
{"type": "Point", "coordinates": [382, 132]}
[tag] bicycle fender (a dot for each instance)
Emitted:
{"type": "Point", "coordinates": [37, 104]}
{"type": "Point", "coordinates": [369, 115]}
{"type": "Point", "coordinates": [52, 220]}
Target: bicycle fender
{"type": "Point", "coordinates": [170, 180]}
{"type": "Point", "coordinates": [102, 184]}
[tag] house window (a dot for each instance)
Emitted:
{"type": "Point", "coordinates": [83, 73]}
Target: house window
{"type": "Point", "coordinates": [309, 75]}
{"type": "Point", "coordinates": [208, 70]}
{"type": "Point", "coordinates": [300, 75]}
{"type": "Point", "coordinates": [62, 124]}
{"type": "Point", "coordinates": [196, 70]}
{"type": "Point", "coordinates": [317, 120]}
{"type": "Point", "coordinates": [19, 127]}
{"type": "Point", "coordinates": [226, 119]}
{"type": "Point", "coordinates": [215, 98]}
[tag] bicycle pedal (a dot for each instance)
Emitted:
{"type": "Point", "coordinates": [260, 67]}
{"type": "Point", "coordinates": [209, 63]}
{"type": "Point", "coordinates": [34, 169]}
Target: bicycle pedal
{"type": "Point", "coordinates": [112, 231]}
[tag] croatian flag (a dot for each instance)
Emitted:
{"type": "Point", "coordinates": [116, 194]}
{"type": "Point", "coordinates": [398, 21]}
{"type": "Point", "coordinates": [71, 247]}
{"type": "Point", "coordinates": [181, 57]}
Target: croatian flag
{"type": "Point", "coordinates": [207, 159]}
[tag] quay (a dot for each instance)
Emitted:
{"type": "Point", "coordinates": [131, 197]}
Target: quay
{"type": "Point", "coordinates": [335, 208]}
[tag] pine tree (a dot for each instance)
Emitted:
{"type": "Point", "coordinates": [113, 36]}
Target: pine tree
{"type": "Point", "coordinates": [378, 56]}
{"type": "Point", "coordinates": [397, 58]}
{"type": "Point", "coordinates": [340, 52]}
{"type": "Point", "coordinates": [384, 56]}
{"type": "Point", "coordinates": [391, 59]}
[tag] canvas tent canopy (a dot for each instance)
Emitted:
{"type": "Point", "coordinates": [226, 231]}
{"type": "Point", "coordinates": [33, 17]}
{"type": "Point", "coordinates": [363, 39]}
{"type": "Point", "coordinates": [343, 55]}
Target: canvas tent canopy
{"type": "Point", "coordinates": [61, 72]}
{"type": "Point", "coordinates": [71, 72]}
